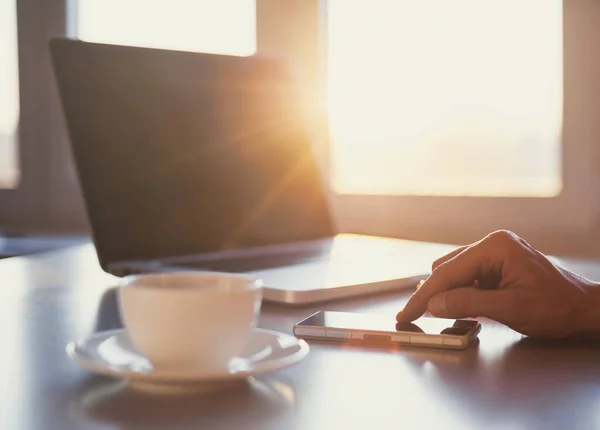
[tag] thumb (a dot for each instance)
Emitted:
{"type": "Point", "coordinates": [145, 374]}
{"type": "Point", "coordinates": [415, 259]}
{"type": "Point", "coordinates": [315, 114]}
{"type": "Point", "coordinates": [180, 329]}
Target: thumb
{"type": "Point", "coordinates": [471, 302]}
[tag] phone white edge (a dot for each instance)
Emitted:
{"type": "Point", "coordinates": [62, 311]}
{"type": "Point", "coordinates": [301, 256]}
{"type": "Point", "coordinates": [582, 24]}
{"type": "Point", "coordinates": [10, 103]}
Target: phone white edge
{"type": "Point", "coordinates": [386, 337]}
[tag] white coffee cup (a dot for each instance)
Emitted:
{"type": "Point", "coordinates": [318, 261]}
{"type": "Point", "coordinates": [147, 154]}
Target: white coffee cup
{"type": "Point", "coordinates": [190, 320]}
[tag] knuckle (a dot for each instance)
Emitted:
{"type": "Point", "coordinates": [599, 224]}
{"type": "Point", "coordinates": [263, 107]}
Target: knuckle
{"type": "Point", "coordinates": [505, 240]}
{"type": "Point", "coordinates": [447, 257]}
{"type": "Point", "coordinates": [524, 243]}
{"type": "Point", "coordinates": [440, 270]}
{"type": "Point", "coordinates": [502, 236]}
{"type": "Point", "coordinates": [437, 263]}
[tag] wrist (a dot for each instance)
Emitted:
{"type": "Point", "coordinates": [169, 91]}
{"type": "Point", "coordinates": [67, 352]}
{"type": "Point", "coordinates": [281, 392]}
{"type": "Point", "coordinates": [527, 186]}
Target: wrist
{"type": "Point", "coordinates": [589, 326]}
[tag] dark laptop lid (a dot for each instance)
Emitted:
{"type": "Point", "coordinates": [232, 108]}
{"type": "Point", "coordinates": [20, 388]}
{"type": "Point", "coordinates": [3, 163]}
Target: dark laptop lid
{"type": "Point", "coordinates": [181, 153]}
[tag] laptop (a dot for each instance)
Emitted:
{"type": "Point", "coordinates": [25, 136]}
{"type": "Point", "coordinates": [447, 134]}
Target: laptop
{"type": "Point", "coordinates": [192, 161]}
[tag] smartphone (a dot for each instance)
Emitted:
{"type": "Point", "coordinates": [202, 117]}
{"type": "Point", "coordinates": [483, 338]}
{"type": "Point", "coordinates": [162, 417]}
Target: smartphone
{"type": "Point", "coordinates": [428, 332]}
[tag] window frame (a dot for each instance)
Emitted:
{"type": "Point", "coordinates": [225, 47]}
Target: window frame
{"type": "Point", "coordinates": [19, 201]}
{"type": "Point", "coordinates": [574, 214]}
{"type": "Point", "coordinates": [46, 199]}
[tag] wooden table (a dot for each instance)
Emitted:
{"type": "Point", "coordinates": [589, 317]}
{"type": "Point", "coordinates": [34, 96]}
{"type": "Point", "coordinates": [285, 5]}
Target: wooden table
{"type": "Point", "coordinates": [503, 382]}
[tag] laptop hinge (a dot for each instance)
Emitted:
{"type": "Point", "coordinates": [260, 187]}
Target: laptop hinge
{"type": "Point", "coordinates": [317, 244]}
{"type": "Point", "coordinates": [132, 268]}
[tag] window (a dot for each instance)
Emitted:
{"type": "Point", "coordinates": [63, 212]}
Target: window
{"type": "Point", "coordinates": [9, 101]}
{"type": "Point", "coordinates": [223, 27]}
{"type": "Point", "coordinates": [447, 119]}
{"type": "Point", "coordinates": [437, 97]}
{"type": "Point", "coordinates": [452, 119]}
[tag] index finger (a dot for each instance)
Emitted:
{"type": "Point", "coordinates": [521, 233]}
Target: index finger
{"type": "Point", "coordinates": [448, 256]}
{"type": "Point", "coordinates": [459, 271]}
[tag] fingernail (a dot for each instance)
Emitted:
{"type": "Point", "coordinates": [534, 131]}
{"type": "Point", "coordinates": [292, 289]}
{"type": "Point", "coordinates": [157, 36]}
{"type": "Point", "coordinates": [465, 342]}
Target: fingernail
{"type": "Point", "coordinates": [437, 305]}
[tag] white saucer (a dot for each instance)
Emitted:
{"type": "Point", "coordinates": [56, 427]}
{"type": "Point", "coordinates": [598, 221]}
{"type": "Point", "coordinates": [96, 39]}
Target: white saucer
{"type": "Point", "coordinates": [111, 353]}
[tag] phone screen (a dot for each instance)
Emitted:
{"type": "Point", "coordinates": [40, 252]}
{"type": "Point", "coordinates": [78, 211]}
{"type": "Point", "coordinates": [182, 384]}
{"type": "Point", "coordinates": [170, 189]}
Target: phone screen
{"type": "Point", "coordinates": [351, 321]}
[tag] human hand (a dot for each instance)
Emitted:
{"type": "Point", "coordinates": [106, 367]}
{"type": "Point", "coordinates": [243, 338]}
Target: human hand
{"type": "Point", "coordinates": [503, 278]}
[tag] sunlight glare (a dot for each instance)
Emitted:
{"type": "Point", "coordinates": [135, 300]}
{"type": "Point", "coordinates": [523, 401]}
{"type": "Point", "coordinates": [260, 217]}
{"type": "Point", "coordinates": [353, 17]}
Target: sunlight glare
{"type": "Point", "coordinates": [222, 27]}
{"type": "Point", "coordinates": [433, 97]}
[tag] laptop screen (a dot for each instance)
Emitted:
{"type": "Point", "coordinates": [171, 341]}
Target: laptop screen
{"type": "Point", "coordinates": [183, 153]}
